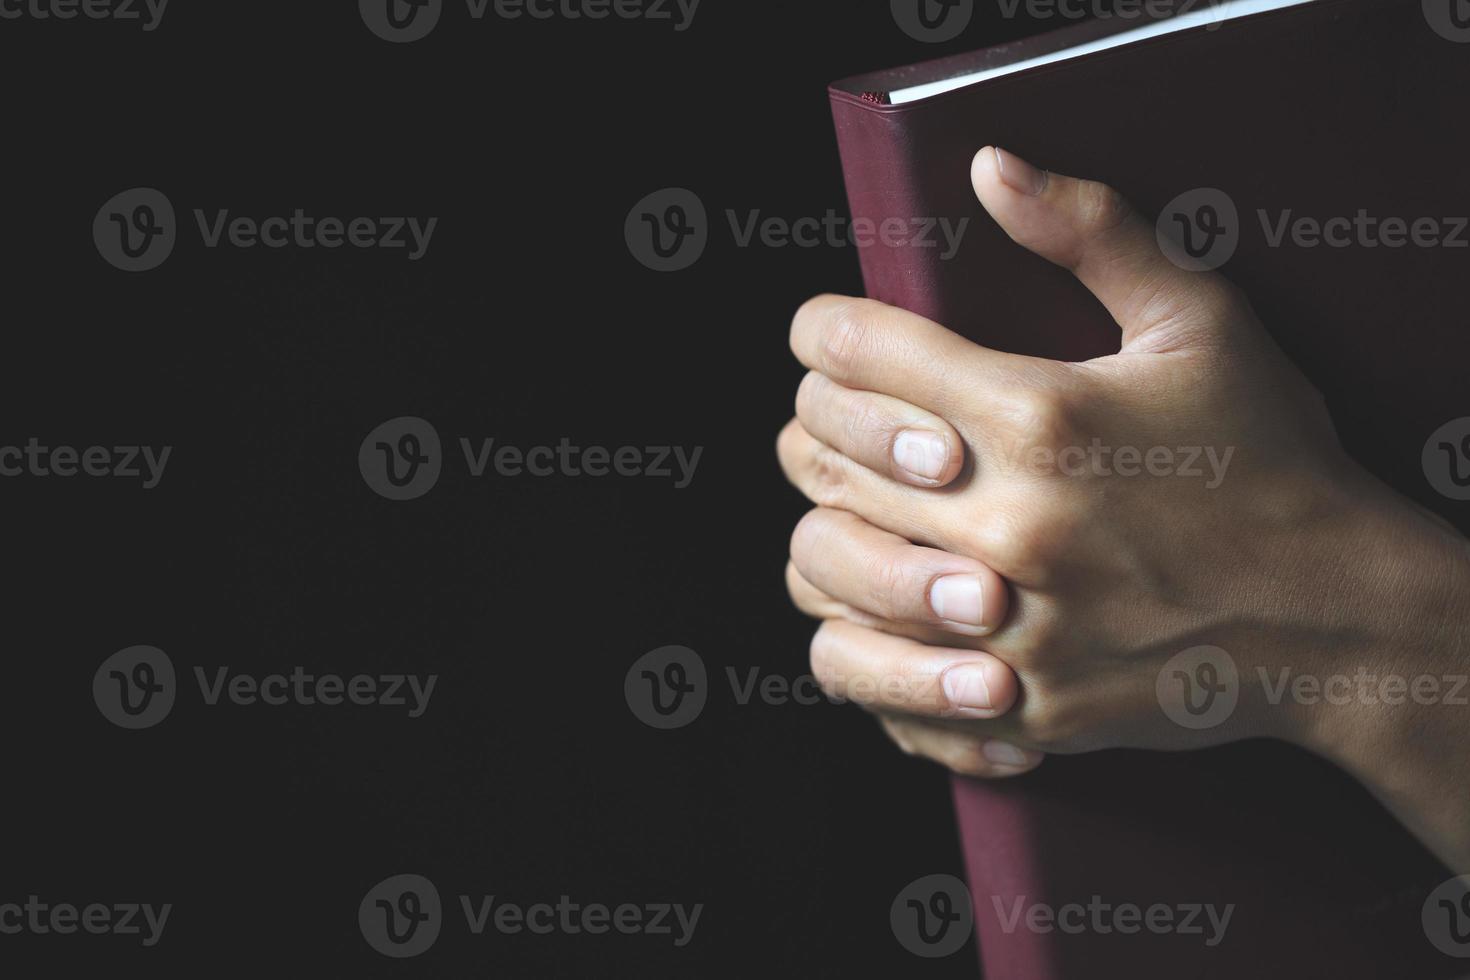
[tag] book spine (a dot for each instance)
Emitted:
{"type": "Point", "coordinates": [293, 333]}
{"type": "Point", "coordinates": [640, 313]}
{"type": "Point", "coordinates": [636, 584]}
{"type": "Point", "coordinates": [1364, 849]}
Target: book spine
{"type": "Point", "coordinates": [882, 187]}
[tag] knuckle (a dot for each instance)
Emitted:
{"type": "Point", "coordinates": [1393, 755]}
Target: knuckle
{"type": "Point", "coordinates": [865, 426]}
{"type": "Point", "coordinates": [821, 657]}
{"type": "Point", "coordinates": [796, 588]}
{"type": "Point", "coordinates": [912, 682]}
{"type": "Point", "coordinates": [829, 482]}
{"type": "Point", "coordinates": [844, 339]}
{"type": "Point", "coordinates": [890, 583]}
{"type": "Point", "coordinates": [966, 756]}
{"type": "Point", "coordinates": [788, 443]}
{"type": "Point", "coordinates": [1017, 544]}
{"type": "Point", "coordinates": [1042, 417]}
{"type": "Point", "coordinates": [1040, 644]}
{"type": "Point", "coordinates": [1100, 209]}
{"type": "Point", "coordinates": [807, 535]}
{"type": "Point", "coordinates": [990, 540]}
{"type": "Point", "coordinates": [803, 592]}
{"type": "Point", "coordinates": [809, 395]}
{"type": "Point", "coordinates": [896, 734]}
{"type": "Point", "coordinates": [807, 313]}
{"type": "Point", "coordinates": [1049, 725]}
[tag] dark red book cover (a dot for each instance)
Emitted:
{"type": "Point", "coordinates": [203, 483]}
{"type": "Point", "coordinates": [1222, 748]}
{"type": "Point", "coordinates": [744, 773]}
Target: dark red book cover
{"type": "Point", "coordinates": [1331, 109]}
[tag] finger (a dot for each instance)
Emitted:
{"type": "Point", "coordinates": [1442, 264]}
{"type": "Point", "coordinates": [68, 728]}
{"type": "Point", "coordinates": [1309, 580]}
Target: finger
{"type": "Point", "coordinates": [864, 344]}
{"type": "Point", "coordinates": [900, 675]}
{"type": "Point", "coordinates": [830, 479]}
{"type": "Point", "coordinates": [819, 605]}
{"type": "Point", "coordinates": [965, 753]}
{"type": "Point", "coordinates": [881, 432]}
{"type": "Point", "coordinates": [882, 574]}
{"type": "Point", "coordinates": [816, 603]}
{"type": "Point", "coordinates": [1089, 228]}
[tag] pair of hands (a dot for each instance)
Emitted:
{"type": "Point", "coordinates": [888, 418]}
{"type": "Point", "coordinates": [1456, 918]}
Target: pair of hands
{"type": "Point", "coordinates": [1012, 551]}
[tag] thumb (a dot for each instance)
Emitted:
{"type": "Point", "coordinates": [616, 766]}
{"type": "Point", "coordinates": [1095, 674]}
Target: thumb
{"type": "Point", "coordinates": [1090, 229]}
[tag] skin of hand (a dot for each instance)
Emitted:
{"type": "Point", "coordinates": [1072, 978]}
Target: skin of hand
{"type": "Point", "coordinates": [1015, 550]}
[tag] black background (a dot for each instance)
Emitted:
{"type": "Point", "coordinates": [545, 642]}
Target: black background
{"type": "Point", "coordinates": [528, 321]}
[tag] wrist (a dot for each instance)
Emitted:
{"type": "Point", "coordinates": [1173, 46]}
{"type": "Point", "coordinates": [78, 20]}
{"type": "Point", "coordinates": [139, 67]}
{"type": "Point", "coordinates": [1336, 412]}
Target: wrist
{"type": "Point", "coordinates": [1402, 635]}
{"type": "Point", "coordinates": [1391, 698]}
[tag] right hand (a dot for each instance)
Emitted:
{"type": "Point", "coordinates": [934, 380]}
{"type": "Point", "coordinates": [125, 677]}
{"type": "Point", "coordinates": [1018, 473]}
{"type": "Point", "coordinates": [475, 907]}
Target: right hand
{"type": "Point", "coordinates": [951, 744]}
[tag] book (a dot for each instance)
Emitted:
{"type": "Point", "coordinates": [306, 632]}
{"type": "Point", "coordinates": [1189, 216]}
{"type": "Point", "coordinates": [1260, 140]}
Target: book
{"type": "Point", "coordinates": [1296, 145]}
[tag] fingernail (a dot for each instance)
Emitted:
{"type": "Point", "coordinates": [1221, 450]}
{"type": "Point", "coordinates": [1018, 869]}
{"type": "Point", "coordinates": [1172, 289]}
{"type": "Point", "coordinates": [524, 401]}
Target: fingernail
{"type": "Point", "coordinates": [965, 686]}
{"type": "Point", "coordinates": [1019, 175]}
{"type": "Point", "coordinates": [923, 454]}
{"type": "Point", "coordinates": [958, 599]}
{"type": "Point", "coordinates": [1004, 754]}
